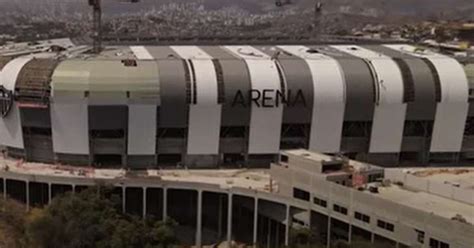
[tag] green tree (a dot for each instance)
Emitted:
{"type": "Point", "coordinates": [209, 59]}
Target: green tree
{"type": "Point", "coordinates": [93, 218]}
{"type": "Point", "coordinates": [12, 224]}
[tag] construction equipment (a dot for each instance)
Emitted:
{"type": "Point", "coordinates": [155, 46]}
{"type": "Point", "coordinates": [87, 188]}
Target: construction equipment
{"type": "Point", "coordinates": [97, 22]}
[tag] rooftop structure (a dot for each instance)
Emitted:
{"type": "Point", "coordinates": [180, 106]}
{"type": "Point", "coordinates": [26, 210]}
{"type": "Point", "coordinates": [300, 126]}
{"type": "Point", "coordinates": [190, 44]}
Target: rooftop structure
{"type": "Point", "coordinates": [412, 201]}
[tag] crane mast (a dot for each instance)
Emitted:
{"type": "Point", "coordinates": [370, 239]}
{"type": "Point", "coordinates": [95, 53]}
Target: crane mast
{"type": "Point", "coordinates": [97, 25]}
{"type": "Point", "coordinates": [97, 22]}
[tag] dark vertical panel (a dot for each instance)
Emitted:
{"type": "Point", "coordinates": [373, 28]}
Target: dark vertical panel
{"type": "Point", "coordinates": [236, 81]}
{"type": "Point", "coordinates": [35, 117]}
{"type": "Point", "coordinates": [299, 80]}
{"type": "Point", "coordinates": [173, 93]}
{"type": "Point", "coordinates": [108, 117]}
{"type": "Point", "coordinates": [424, 105]}
{"type": "Point", "coordinates": [360, 89]}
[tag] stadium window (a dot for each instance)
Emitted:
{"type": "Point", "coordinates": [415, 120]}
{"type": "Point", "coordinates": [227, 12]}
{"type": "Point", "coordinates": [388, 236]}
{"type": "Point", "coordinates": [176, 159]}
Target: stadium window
{"type": "Point", "coordinates": [356, 129]}
{"type": "Point", "coordinates": [172, 133]}
{"type": "Point", "coordinates": [362, 217]}
{"type": "Point", "coordinates": [385, 225]}
{"type": "Point", "coordinates": [438, 244]}
{"type": "Point", "coordinates": [108, 134]}
{"type": "Point", "coordinates": [301, 194]}
{"type": "Point", "coordinates": [374, 177]}
{"type": "Point", "coordinates": [469, 128]}
{"type": "Point", "coordinates": [320, 202]}
{"type": "Point", "coordinates": [420, 236]}
{"type": "Point", "coordinates": [339, 209]}
{"type": "Point", "coordinates": [293, 130]}
{"type": "Point", "coordinates": [233, 132]}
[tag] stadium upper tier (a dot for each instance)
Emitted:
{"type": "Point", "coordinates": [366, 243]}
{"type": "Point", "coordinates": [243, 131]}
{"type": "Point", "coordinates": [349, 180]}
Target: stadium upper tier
{"type": "Point", "coordinates": [212, 105]}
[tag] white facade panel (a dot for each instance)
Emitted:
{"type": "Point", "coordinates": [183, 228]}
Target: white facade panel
{"type": "Point", "coordinates": [390, 110]}
{"type": "Point", "coordinates": [141, 53]}
{"type": "Point", "coordinates": [265, 122]}
{"type": "Point", "coordinates": [247, 52]}
{"type": "Point", "coordinates": [10, 127]}
{"type": "Point", "coordinates": [452, 111]}
{"type": "Point", "coordinates": [190, 52]}
{"type": "Point", "coordinates": [70, 127]}
{"type": "Point", "coordinates": [204, 130]}
{"type": "Point", "coordinates": [329, 99]}
{"type": "Point", "coordinates": [141, 129]}
{"type": "Point", "coordinates": [205, 114]}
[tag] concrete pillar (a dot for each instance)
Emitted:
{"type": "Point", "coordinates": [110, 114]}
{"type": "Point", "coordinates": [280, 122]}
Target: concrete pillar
{"type": "Point", "coordinates": [124, 195]}
{"type": "Point", "coordinates": [50, 194]}
{"type": "Point", "coordinates": [4, 188]}
{"type": "Point", "coordinates": [372, 237]}
{"type": "Point", "coordinates": [288, 225]}
{"type": "Point", "coordinates": [328, 245]}
{"type": "Point", "coordinates": [229, 221]}
{"type": "Point", "coordinates": [255, 222]}
{"type": "Point", "coordinates": [277, 234]}
{"type": "Point", "coordinates": [269, 235]}
{"type": "Point", "coordinates": [350, 232]}
{"type": "Point", "coordinates": [199, 220]}
{"type": "Point", "coordinates": [27, 183]}
{"type": "Point", "coordinates": [219, 218]}
{"type": "Point", "coordinates": [144, 203]}
{"type": "Point", "coordinates": [165, 203]}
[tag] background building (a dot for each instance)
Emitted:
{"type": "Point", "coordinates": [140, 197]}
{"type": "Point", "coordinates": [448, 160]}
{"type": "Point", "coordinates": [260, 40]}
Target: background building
{"type": "Point", "coordinates": [336, 198]}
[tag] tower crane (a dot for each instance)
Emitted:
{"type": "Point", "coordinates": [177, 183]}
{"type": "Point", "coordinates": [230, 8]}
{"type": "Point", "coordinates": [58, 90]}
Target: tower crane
{"type": "Point", "coordinates": [97, 22]}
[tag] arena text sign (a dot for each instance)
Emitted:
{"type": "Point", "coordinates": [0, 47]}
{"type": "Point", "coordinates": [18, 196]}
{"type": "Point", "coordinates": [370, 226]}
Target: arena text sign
{"type": "Point", "coordinates": [269, 98]}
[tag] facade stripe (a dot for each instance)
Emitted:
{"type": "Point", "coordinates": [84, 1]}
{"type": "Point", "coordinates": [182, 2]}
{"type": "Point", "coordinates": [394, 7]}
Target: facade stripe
{"type": "Point", "coordinates": [452, 110]}
{"type": "Point", "coordinates": [69, 113]}
{"type": "Point", "coordinates": [423, 105]}
{"type": "Point", "coordinates": [141, 129]}
{"type": "Point", "coordinates": [141, 53]}
{"type": "Point", "coordinates": [266, 115]}
{"type": "Point", "coordinates": [236, 79]}
{"type": "Point", "coordinates": [360, 85]}
{"type": "Point", "coordinates": [297, 80]}
{"type": "Point", "coordinates": [205, 111]}
{"type": "Point", "coordinates": [11, 133]}
{"type": "Point", "coordinates": [390, 109]}
{"type": "Point", "coordinates": [70, 125]}
{"type": "Point", "coordinates": [329, 99]}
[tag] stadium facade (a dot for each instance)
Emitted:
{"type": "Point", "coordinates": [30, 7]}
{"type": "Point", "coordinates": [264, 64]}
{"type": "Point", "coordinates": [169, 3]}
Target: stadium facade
{"type": "Point", "coordinates": [209, 106]}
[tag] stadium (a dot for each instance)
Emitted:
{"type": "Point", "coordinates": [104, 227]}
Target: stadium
{"type": "Point", "coordinates": [130, 118]}
{"type": "Point", "coordinates": [233, 106]}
